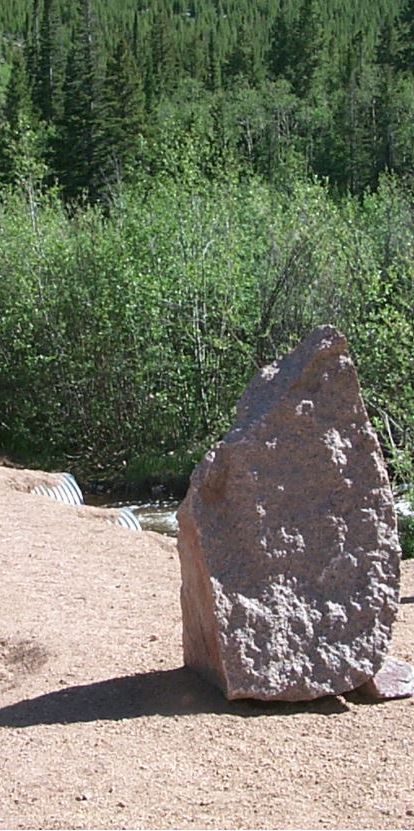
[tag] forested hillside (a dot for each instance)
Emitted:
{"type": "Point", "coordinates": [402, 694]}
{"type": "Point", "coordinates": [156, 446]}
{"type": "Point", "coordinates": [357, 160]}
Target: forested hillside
{"type": "Point", "coordinates": [91, 87]}
{"type": "Point", "coordinates": [187, 186]}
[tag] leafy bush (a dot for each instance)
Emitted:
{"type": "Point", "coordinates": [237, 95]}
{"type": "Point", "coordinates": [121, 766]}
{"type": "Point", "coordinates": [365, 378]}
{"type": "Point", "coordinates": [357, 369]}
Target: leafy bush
{"type": "Point", "coordinates": [131, 335]}
{"type": "Point", "coordinates": [405, 517]}
{"type": "Point", "coordinates": [406, 534]}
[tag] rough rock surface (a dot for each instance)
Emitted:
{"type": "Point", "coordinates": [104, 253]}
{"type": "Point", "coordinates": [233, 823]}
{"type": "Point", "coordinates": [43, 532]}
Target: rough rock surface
{"type": "Point", "coordinates": [394, 680]}
{"type": "Point", "coordinates": [287, 537]}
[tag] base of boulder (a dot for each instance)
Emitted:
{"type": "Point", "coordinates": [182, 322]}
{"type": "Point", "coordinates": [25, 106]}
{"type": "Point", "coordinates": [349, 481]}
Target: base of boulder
{"type": "Point", "coordinates": [394, 680]}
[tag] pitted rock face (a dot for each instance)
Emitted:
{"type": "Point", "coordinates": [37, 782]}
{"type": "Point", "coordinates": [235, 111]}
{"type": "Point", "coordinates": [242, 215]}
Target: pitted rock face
{"type": "Point", "coordinates": [287, 537]}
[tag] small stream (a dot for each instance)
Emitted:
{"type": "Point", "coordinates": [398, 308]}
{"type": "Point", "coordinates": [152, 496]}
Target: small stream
{"type": "Point", "coordinates": [158, 515]}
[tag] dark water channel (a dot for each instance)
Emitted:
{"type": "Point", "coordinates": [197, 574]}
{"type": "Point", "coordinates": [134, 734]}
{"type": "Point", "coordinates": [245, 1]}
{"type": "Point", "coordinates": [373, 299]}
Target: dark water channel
{"type": "Point", "coordinates": [159, 515]}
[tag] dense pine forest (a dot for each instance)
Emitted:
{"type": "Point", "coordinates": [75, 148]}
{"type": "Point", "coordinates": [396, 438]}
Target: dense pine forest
{"type": "Point", "coordinates": [96, 91]}
{"type": "Point", "coordinates": [186, 188]}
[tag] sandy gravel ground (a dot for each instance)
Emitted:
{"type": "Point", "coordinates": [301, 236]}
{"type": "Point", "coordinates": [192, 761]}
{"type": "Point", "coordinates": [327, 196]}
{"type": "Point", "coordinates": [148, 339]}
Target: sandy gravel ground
{"type": "Point", "coordinates": [102, 727]}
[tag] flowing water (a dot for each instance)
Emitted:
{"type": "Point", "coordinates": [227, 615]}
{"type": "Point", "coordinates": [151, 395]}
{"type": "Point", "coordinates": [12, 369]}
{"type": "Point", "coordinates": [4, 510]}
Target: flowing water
{"type": "Point", "coordinates": [159, 515]}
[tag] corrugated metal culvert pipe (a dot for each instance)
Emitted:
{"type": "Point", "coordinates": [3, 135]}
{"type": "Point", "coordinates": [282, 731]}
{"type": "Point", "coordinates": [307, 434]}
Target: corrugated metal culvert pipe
{"type": "Point", "coordinates": [69, 492]}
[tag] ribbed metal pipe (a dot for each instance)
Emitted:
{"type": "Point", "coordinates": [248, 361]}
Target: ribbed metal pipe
{"type": "Point", "coordinates": [127, 519]}
{"type": "Point", "coordinates": [67, 491]}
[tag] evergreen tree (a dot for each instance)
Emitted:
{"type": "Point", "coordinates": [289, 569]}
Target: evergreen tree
{"type": "Point", "coordinates": [17, 104]}
{"type": "Point", "coordinates": [295, 48]}
{"type": "Point", "coordinates": [196, 55]}
{"type": "Point", "coordinates": [78, 144]}
{"type": "Point", "coordinates": [331, 83]}
{"type": "Point", "coordinates": [122, 114]}
{"type": "Point", "coordinates": [32, 45]}
{"type": "Point", "coordinates": [214, 70]}
{"type": "Point", "coordinates": [391, 101]}
{"type": "Point", "coordinates": [164, 58]}
{"type": "Point", "coordinates": [136, 36]}
{"type": "Point", "coordinates": [51, 62]}
{"type": "Point", "coordinates": [149, 82]}
{"type": "Point", "coordinates": [20, 151]}
{"type": "Point", "coordinates": [404, 31]}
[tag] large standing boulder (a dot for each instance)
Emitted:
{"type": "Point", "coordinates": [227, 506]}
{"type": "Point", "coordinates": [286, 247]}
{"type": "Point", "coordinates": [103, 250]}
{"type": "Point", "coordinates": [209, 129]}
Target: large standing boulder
{"type": "Point", "coordinates": [287, 537]}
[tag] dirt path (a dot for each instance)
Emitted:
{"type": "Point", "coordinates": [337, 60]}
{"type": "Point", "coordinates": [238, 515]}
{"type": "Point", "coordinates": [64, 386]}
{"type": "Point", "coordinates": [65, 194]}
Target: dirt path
{"type": "Point", "coordinates": [102, 727]}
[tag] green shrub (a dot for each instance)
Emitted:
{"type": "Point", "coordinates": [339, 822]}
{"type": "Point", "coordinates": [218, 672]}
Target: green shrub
{"type": "Point", "coordinates": [161, 475]}
{"type": "Point", "coordinates": [131, 335]}
{"type": "Point", "coordinates": [406, 534]}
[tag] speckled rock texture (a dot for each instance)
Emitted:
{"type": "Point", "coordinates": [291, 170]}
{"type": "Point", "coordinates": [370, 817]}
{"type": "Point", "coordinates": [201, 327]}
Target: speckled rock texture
{"type": "Point", "coordinates": [287, 537]}
{"type": "Point", "coordinates": [394, 680]}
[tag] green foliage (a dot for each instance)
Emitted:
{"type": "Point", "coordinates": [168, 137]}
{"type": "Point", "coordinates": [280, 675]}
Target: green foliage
{"type": "Point", "coordinates": [132, 335]}
{"type": "Point", "coordinates": [406, 534]}
{"type": "Point", "coordinates": [78, 143]}
{"type": "Point", "coordinates": [119, 123]}
{"type": "Point", "coordinates": [330, 84]}
{"type": "Point", "coordinates": [406, 525]}
{"type": "Point", "coordinates": [21, 139]}
{"type": "Point", "coordinates": [165, 473]}
{"type": "Point", "coordinates": [383, 330]}
{"type": "Point", "coordinates": [50, 61]}
{"type": "Point", "coordinates": [17, 99]}
{"type": "Point", "coordinates": [229, 171]}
